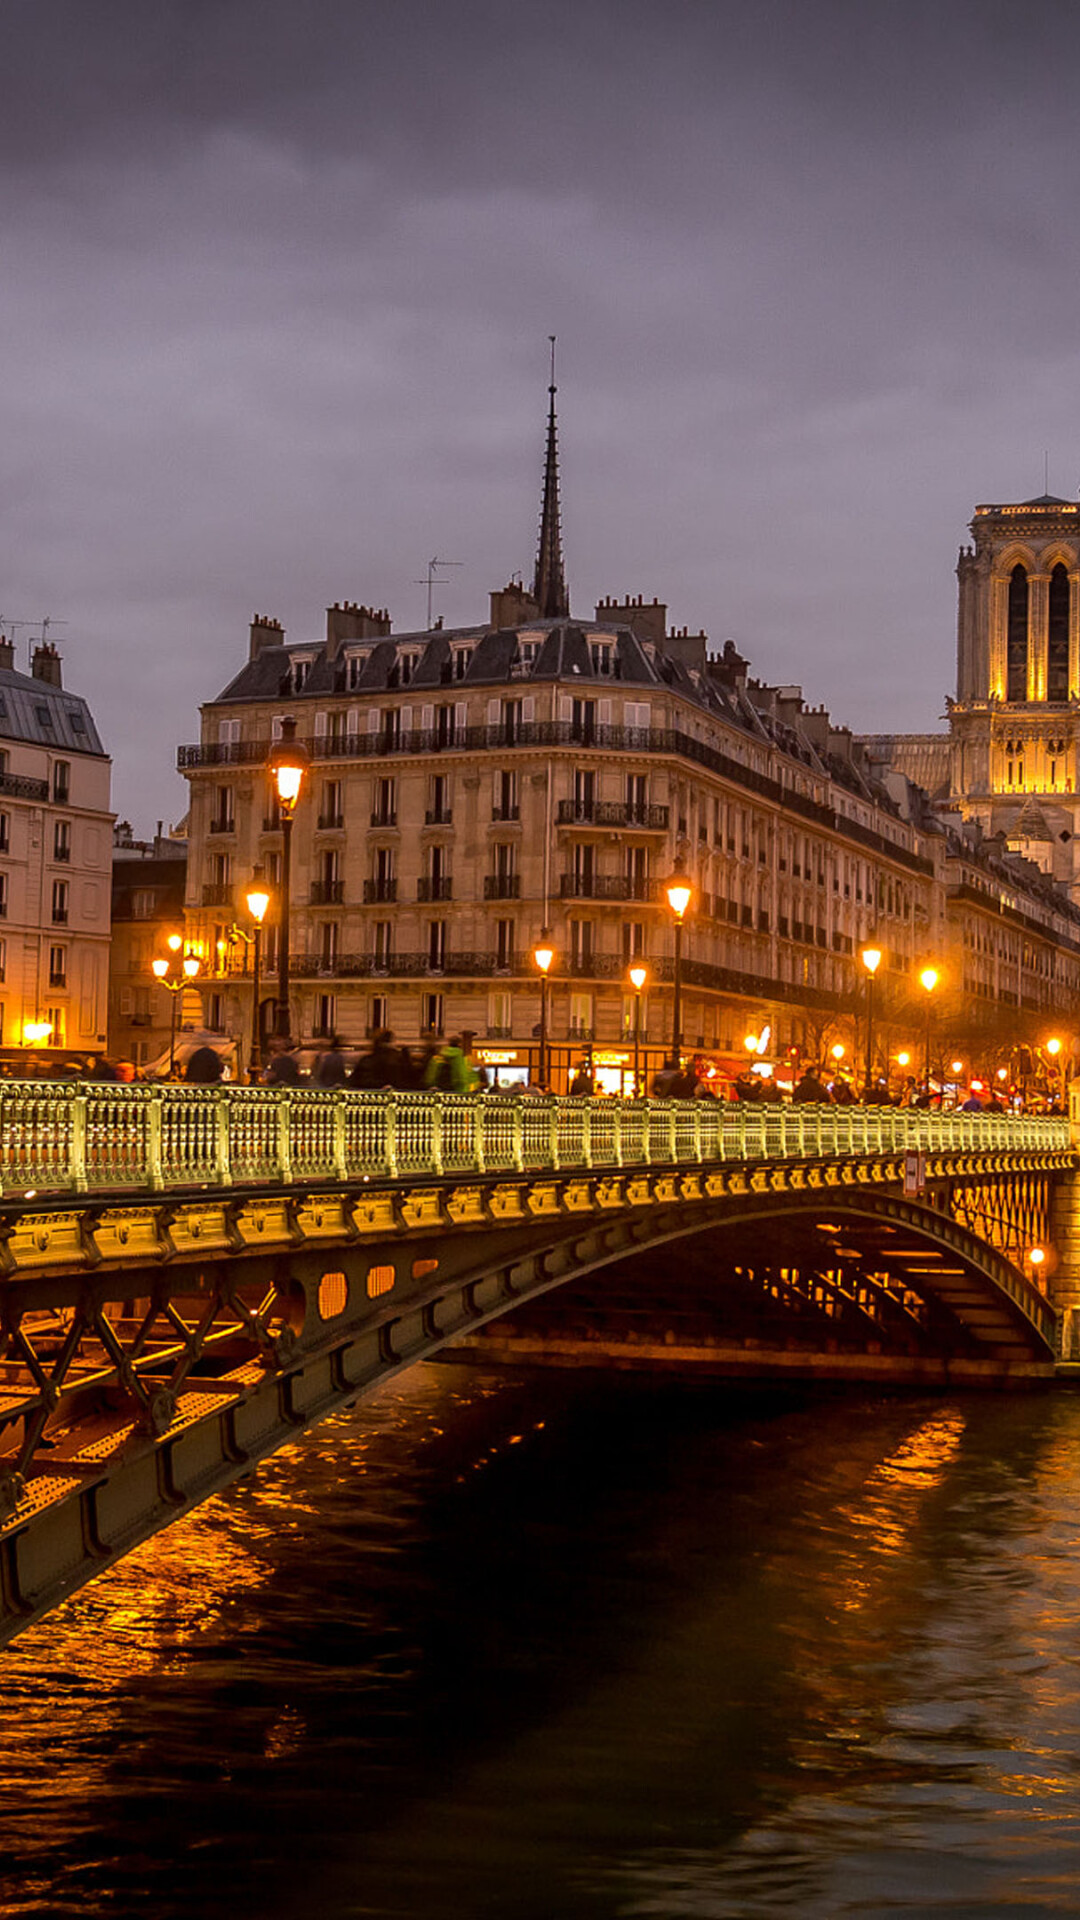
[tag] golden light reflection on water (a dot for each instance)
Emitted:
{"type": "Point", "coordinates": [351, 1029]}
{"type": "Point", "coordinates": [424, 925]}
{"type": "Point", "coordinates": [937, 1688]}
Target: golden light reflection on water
{"type": "Point", "coordinates": [883, 1518]}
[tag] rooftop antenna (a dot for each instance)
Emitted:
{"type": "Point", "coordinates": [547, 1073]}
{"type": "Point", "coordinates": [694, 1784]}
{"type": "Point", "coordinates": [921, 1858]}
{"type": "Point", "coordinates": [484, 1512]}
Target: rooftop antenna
{"type": "Point", "coordinates": [433, 582]}
{"type": "Point", "coordinates": [1046, 471]}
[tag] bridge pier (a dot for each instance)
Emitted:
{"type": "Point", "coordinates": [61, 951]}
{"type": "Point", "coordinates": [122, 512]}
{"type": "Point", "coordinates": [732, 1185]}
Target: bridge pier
{"type": "Point", "coordinates": [1064, 1281]}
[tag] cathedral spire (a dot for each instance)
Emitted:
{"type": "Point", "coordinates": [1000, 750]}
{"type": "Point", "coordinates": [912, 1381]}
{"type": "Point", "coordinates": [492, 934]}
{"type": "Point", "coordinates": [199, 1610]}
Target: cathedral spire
{"type": "Point", "coordinates": [549, 585]}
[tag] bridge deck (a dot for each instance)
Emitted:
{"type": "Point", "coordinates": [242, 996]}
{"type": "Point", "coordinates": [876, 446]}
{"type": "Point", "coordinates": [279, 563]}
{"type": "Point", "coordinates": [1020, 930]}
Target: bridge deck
{"type": "Point", "coordinates": [83, 1138]}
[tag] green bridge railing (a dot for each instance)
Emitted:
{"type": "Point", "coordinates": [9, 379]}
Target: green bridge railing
{"type": "Point", "coordinates": [81, 1137]}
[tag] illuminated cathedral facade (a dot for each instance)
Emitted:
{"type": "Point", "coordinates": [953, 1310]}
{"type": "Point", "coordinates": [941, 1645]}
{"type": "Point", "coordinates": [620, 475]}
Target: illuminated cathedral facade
{"type": "Point", "coordinates": [1015, 722]}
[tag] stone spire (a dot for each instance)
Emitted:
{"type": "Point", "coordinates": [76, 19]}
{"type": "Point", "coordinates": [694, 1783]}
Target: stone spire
{"type": "Point", "coordinates": [549, 585]}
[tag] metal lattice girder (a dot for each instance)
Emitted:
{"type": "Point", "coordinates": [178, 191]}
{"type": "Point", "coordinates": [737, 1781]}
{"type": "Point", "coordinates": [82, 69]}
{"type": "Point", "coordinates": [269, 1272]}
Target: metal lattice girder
{"type": "Point", "coordinates": [159, 1340]}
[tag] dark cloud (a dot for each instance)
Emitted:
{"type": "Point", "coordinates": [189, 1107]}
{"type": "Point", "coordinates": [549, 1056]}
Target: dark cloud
{"type": "Point", "coordinates": [278, 280]}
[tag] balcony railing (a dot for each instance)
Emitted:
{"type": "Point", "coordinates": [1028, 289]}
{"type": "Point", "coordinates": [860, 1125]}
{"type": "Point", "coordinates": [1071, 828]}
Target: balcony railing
{"type": "Point", "coordinates": [327, 893]}
{"type": "Point", "coordinates": [502, 886]}
{"type": "Point", "coordinates": [605, 886]}
{"type": "Point", "coordinates": [612, 813]}
{"type": "Point", "coordinates": [223, 826]}
{"type": "Point", "coordinates": [271, 823]}
{"type": "Point", "coordinates": [503, 816]}
{"type": "Point", "coordinates": [20, 788]}
{"type": "Point", "coordinates": [563, 733]}
{"type": "Point", "coordinates": [217, 893]}
{"type": "Point", "coordinates": [330, 822]}
{"type": "Point", "coordinates": [439, 817]}
{"type": "Point", "coordinates": [61, 854]}
{"type": "Point", "coordinates": [379, 891]}
{"type": "Point", "coordinates": [430, 889]}
{"type": "Point", "coordinates": [384, 817]}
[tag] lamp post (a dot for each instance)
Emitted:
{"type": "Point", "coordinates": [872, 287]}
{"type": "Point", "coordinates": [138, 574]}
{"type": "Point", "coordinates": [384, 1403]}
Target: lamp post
{"type": "Point", "coordinates": [871, 959]}
{"type": "Point", "coordinates": [638, 977]}
{"type": "Point", "coordinates": [287, 765]}
{"type": "Point", "coordinates": [1054, 1049]}
{"type": "Point", "coordinates": [258, 899]}
{"type": "Point", "coordinates": [174, 975]}
{"type": "Point", "coordinates": [679, 893]}
{"type": "Point", "coordinates": [543, 955]}
{"type": "Point", "coordinates": [928, 980]}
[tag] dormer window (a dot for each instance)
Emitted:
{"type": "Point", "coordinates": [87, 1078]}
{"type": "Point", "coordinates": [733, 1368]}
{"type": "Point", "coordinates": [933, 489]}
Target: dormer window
{"type": "Point", "coordinates": [300, 669]}
{"type": "Point", "coordinates": [527, 652]}
{"type": "Point", "coordinates": [356, 664]}
{"type": "Point", "coordinates": [407, 664]}
{"type": "Point", "coordinates": [461, 658]}
{"type": "Point", "coordinates": [601, 653]}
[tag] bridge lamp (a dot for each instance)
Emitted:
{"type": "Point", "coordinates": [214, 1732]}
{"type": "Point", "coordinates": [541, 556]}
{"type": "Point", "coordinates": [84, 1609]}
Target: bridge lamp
{"type": "Point", "coordinates": [286, 766]}
{"type": "Point", "coordinates": [1037, 1260]}
{"type": "Point", "coordinates": [679, 892]}
{"type": "Point", "coordinates": [1054, 1049]}
{"type": "Point", "coordinates": [838, 1052]}
{"type": "Point", "coordinates": [543, 956]}
{"type": "Point", "coordinates": [928, 980]}
{"type": "Point", "coordinates": [638, 977]}
{"type": "Point", "coordinates": [903, 1059]}
{"type": "Point", "coordinates": [174, 977]}
{"type": "Point", "coordinates": [871, 959]}
{"type": "Point", "coordinates": [257, 900]}
{"type": "Point", "coordinates": [174, 942]}
{"type": "Point", "coordinates": [36, 1031]}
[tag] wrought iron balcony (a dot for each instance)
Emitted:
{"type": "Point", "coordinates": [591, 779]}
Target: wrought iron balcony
{"type": "Point", "coordinates": [330, 822]}
{"type": "Point", "coordinates": [612, 813]}
{"type": "Point", "coordinates": [430, 889]}
{"type": "Point", "coordinates": [379, 891]}
{"type": "Point", "coordinates": [505, 815]}
{"type": "Point", "coordinates": [217, 893]}
{"type": "Point", "coordinates": [384, 817]}
{"type": "Point", "coordinates": [222, 826]}
{"type": "Point", "coordinates": [439, 817]}
{"type": "Point", "coordinates": [605, 886]}
{"type": "Point", "coordinates": [502, 886]}
{"type": "Point", "coordinates": [327, 893]}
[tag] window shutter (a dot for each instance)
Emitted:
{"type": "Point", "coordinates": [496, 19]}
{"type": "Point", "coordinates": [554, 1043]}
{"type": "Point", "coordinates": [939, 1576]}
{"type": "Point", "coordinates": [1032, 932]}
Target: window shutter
{"type": "Point", "coordinates": [276, 726]}
{"type": "Point", "coordinates": [461, 718]}
{"type": "Point", "coordinates": [603, 712]}
{"type": "Point", "coordinates": [566, 707]}
{"type": "Point", "coordinates": [528, 709]}
{"type": "Point", "coordinates": [406, 719]}
{"type": "Point", "coordinates": [320, 723]}
{"type": "Point", "coordinates": [493, 713]}
{"type": "Point", "coordinates": [352, 720]}
{"type": "Point", "coordinates": [373, 720]}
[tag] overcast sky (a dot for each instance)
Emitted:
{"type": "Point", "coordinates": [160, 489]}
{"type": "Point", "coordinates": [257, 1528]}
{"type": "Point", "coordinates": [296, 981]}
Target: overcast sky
{"type": "Point", "coordinates": [276, 282]}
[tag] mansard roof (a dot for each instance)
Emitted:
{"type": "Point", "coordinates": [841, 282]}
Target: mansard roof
{"type": "Point", "coordinates": [43, 715]}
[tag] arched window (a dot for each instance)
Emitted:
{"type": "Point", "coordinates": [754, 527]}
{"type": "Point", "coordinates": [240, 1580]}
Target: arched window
{"type": "Point", "coordinates": [1016, 643]}
{"type": "Point", "coordinates": [1057, 653]}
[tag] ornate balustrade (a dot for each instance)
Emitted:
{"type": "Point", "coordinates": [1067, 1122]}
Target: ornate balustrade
{"type": "Point", "coordinates": [82, 1137]}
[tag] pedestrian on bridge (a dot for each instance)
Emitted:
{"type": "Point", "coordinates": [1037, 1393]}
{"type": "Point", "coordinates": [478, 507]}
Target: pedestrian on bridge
{"type": "Point", "coordinates": [331, 1069]}
{"type": "Point", "coordinates": [381, 1067]}
{"type": "Point", "coordinates": [284, 1068]}
{"type": "Point", "coordinates": [811, 1089]}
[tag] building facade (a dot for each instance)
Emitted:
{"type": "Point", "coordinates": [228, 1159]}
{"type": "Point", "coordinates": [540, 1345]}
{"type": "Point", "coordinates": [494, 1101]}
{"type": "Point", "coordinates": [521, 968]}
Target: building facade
{"type": "Point", "coordinates": [148, 886]}
{"type": "Point", "coordinates": [469, 790]}
{"type": "Point", "coordinates": [55, 859]}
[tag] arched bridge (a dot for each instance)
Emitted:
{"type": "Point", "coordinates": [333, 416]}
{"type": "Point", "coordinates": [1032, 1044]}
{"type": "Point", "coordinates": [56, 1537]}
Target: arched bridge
{"type": "Point", "coordinates": [190, 1276]}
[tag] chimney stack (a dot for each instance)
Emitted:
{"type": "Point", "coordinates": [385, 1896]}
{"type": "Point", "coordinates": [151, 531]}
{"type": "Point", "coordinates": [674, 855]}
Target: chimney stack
{"type": "Point", "coordinates": [353, 622]}
{"type": "Point", "coordinates": [7, 653]}
{"type": "Point", "coordinates": [264, 632]}
{"type": "Point", "coordinates": [45, 664]}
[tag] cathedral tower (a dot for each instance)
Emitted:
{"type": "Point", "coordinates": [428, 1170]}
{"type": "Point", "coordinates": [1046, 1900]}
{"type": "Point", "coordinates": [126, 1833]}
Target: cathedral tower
{"type": "Point", "coordinates": [1015, 723]}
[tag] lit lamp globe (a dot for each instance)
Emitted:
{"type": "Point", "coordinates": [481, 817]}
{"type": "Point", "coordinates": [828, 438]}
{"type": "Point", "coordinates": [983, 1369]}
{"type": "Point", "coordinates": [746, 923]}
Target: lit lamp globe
{"type": "Point", "coordinates": [1053, 1048]}
{"type": "Point", "coordinates": [287, 765]}
{"type": "Point", "coordinates": [543, 955]}
{"type": "Point", "coordinates": [679, 892]}
{"type": "Point", "coordinates": [929, 978]}
{"type": "Point", "coordinates": [258, 901]}
{"type": "Point", "coordinates": [871, 959]}
{"type": "Point", "coordinates": [191, 965]}
{"type": "Point", "coordinates": [159, 968]}
{"type": "Point", "coordinates": [638, 977]}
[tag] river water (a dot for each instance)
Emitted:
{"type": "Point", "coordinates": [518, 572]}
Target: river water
{"type": "Point", "coordinates": [543, 1647]}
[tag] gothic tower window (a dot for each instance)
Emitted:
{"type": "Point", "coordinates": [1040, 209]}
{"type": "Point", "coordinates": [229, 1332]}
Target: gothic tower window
{"type": "Point", "coordinates": [1057, 668]}
{"type": "Point", "coordinates": [1016, 649]}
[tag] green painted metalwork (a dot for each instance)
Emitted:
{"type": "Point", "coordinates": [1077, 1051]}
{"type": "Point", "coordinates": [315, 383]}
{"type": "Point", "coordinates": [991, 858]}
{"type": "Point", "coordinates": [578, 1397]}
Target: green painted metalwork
{"type": "Point", "coordinates": [83, 1138]}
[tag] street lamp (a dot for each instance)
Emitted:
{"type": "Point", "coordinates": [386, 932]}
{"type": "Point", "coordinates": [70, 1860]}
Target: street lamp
{"type": "Point", "coordinates": [1053, 1048]}
{"type": "Point", "coordinates": [871, 959]}
{"type": "Point", "coordinates": [287, 765]}
{"type": "Point", "coordinates": [543, 955]}
{"type": "Point", "coordinates": [928, 980]}
{"type": "Point", "coordinates": [679, 893]}
{"type": "Point", "coordinates": [258, 899]}
{"type": "Point", "coordinates": [638, 977]}
{"type": "Point", "coordinates": [175, 975]}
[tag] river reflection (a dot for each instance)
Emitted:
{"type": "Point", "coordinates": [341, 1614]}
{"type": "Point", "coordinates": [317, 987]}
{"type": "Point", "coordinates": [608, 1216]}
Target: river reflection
{"type": "Point", "coordinates": [540, 1646]}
